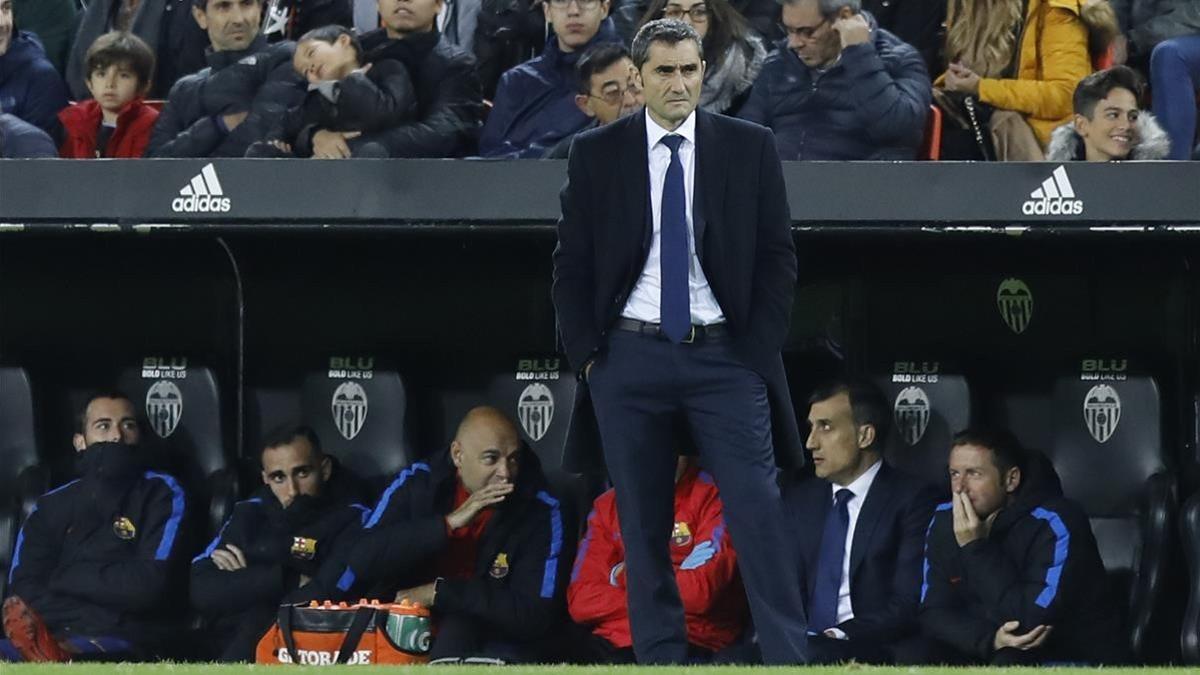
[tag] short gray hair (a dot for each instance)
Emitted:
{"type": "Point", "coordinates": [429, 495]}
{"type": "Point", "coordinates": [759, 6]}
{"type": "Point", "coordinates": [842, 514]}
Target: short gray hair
{"type": "Point", "coordinates": [669, 31]}
{"type": "Point", "coordinates": [829, 7]}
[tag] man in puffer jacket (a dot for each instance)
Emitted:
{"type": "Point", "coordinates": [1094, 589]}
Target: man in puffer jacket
{"type": "Point", "coordinates": [1012, 573]}
{"type": "Point", "coordinates": [449, 102]}
{"type": "Point", "coordinates": [535, 102]}
{"type": "Point", "coordinates": [346, 95]}
{"type": "Point", "coordinates": [841, 88]}
{"type": "Point", "coordinates": [1108, 124]}
{"type": "Point", "coordinates": [30, 88]}
{"type": "Point", "coordinates": [248, 86]}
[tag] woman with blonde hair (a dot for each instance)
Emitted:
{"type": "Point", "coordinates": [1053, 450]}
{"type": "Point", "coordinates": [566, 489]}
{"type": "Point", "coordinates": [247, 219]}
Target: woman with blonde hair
{"type": "Point", "coordinates": [733, 51]}
{"type": "Point", "coordinates": [1012, 68]}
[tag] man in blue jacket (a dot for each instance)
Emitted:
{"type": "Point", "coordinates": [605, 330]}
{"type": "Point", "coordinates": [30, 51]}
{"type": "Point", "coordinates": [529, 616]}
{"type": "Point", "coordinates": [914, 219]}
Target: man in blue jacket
{"type": "Point", "coordinates": [1012, 574]}
{"type": "Point", "coordinates": [272, 546]}
{"type": "Point", "coordinates": [21, 140]}
{"type": "Point", "coordinates": [30, 87]}
{"type": "Point", "coordinates": [94, 565]}
{"type": "Point", "coordinates": [535, 102]}
{"type": "Point", "coordinates": [840, 87]}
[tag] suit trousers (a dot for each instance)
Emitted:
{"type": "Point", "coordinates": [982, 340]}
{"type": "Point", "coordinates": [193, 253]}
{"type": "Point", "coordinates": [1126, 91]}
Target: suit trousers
{"type": "Point", "coordinates": [640, 386]}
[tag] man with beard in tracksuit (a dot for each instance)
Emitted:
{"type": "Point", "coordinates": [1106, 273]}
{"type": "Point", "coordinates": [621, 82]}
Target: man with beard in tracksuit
{"type": "Point", "coordinates": [275, 542]}
{"type": "Point", "coordinates": [474, 534]}
{"type": "Point", "coordinates": [94, 563]}
{"type": "Point", "coordinates": [1012, 574]}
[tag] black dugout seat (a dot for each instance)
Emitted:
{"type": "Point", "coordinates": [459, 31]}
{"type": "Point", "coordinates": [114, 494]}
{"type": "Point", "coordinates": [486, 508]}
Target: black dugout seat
{"type": "Point", "coordinates": [1189, 637]}
{"type": "Point", "coordinates": [539, 394]}
{"type": "Point", "coordinates": [1108, 449]}
{"type": "Point", "coordinates": [929, 406]}
{"type": "Point", "coordinates": [183, 407]}
{"type": "Point", "coordinates": [359, 410]}
{"type": "Point", "coordinates": [22, 477]}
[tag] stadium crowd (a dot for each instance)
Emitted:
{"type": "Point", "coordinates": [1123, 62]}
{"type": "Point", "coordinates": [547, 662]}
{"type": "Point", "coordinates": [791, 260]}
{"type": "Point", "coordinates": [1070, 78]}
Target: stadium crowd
{"type": "Point", "coordinates": [1004, 570]}
{"type": "Point", "coordinates": [833, 79]}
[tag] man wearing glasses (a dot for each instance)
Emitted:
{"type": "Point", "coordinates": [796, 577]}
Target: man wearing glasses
{"type": "Point", "coordinates": [609, 89]}
{"type": "Point", "coordinates": [535, 101]}
{"type": "Point", "coordinates": [840, 87]}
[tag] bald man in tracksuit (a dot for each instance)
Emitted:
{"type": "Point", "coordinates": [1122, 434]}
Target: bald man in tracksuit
{"type": "Point", "coordinates": [475, 534]}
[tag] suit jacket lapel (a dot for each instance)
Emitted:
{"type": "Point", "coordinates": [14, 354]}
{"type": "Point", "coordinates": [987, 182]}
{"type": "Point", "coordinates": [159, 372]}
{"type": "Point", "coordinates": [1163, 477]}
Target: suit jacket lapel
{"type": "Point", "coordinates": [634, 169]}
{"type": "Point", "coordinates": [877, 500]}
{"type": "Point", "coordinates": [709, 188]}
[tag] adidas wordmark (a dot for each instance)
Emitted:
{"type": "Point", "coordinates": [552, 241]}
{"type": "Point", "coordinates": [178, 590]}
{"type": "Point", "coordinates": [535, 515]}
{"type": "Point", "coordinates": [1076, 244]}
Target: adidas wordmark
{"type": "Point", "coordinates": [1055, 197]}
{"type": "Point", "coordinates": [202, 195]}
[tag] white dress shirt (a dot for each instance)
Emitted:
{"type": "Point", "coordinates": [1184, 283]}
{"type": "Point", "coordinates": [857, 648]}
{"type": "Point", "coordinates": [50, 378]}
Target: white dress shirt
{"type": "Point", "coordinates": [860, 487]}
{"type": "Point", "coordinates": [643, 303]}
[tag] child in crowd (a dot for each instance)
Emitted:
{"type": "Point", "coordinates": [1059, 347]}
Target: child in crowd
{"type": "Point", "coordinates": [1109, 124]}
{"type": "Point", "coordinates": [115, 122]}
{"type": "Point", "coordinates": [347, 97]}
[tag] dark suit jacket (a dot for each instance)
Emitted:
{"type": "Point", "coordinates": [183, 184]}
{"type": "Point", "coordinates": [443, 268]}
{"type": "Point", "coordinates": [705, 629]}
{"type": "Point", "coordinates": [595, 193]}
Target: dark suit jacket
{"type": "Point", "coordinates": [886, 555]}
{"type": "Point", "coordinates": [743, 239]}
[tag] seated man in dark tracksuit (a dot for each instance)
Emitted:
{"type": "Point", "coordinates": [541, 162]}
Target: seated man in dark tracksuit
{"type": "Point", "coordinates": [474, 534]}
{"type": "Point", "coordinates": [94, 565]}
{"type": "Point", "coordinates": [275, 542]}
{"type": "Point", "coordinates": [1012, 572]}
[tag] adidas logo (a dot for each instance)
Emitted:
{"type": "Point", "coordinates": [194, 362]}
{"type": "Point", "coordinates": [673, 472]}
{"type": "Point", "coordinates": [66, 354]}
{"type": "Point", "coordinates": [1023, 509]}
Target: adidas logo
{"type": "Point", "coordinates": [1055, 197]}
{"type": "Point", "coordinates": [202, 195]}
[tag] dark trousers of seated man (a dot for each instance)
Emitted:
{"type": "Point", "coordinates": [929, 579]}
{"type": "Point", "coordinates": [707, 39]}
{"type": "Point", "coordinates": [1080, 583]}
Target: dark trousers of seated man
{"type": "Point", "coordinates": [824, 649]}
{"type": "Point", "coordinates": [579, 645]}
{"type": "Point", "coordinates": [921, 650]}
{"type": "Point", "coordinates": [235, 639]}
{"type": "Point", "coordinates": [461, 636]}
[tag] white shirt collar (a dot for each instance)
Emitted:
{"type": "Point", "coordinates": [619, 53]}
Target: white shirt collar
{"type": "Point", "coordinates": [862, 484]}
{"type": "Point", "coordinates": [655, 133]}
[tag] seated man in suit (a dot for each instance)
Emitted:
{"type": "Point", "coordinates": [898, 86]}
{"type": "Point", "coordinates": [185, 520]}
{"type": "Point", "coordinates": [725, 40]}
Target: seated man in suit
{"type": "Point", "coordinates": [862, 528]}
{"type": "Point", "coordinates": [1012, 572]}
{"type": "Point", "coordinates": [473, 534]}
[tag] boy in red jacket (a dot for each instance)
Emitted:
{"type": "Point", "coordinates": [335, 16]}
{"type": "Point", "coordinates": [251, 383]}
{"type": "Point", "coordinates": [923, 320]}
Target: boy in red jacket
{"type": "Point", "coordinates": [115, 122]}
{"type": "Point", "coordinates": [714, 602]}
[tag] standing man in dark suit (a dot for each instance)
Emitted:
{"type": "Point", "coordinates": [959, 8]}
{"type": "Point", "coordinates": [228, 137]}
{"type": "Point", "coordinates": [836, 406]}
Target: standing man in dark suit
{"type": "Point", "coordinates": [674, 277]}
{"type": "Point", "coordinates": [861, 524]}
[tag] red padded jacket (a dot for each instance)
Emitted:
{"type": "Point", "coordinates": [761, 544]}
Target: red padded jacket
{"type": "Point", "coordinates": [81, 124]}
{"type": "Point", "coordinates": [714, 602]}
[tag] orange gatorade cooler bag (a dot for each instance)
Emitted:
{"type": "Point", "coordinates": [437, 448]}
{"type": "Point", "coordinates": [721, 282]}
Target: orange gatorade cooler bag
{"type": "Point", "coordinates": [360, 634]}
